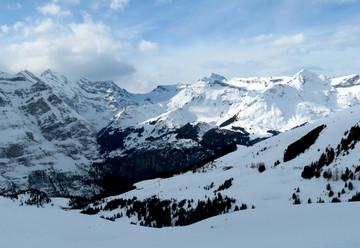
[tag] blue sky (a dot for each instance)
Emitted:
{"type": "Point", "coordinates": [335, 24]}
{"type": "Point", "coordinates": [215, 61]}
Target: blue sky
{"type": "Point", "coordinates": [143, 43]}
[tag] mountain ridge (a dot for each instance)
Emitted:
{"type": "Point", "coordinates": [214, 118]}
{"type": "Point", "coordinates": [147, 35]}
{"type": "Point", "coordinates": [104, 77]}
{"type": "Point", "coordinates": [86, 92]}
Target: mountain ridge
{"type": "Point", "coordinates": [134, 136]}
{"type": "Point", "coordinates": [234, 111]}
{"type": "Point", "coordinates": [259, 176]}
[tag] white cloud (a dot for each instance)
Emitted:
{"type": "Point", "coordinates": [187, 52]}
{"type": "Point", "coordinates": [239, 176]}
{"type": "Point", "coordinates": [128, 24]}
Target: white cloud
{"type": "Point", "coordinates": [85, 49]}
{"type": "Point", "coordinates": [53, 9]}
{"type": "Point", "coordinates": [289, 40]}
{"type": "Point", "coordinates": [90, 36]}
{"type": "Point", "coordinates": [27, 31]}
{"type": "Point", "coordinates": [44, 26]}
{"type": "Point", "coordinates": [118, 4]}
{"type": "Point", "coordinates": [343, 37]}
{"type": "Point", "coordinates": [14, 6]}
{"type": "Point", "coordinates": [5, 28]}
{"type": "Point", "coordinates": [256, 39]}
{"type": "Point", "coordinates": [148, 46]}
{"type": "Point", "coordinates": [17, 26]}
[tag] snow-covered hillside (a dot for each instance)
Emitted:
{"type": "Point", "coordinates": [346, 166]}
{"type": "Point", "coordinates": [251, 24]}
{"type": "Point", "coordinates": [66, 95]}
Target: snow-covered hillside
{"type": "Point", "coordinates": [281, 191]}
{"type": "Point", "coordinates": [324, 168]}
{"type": "Point", "coordinates": [213, 113]}
{"type": "Point", "coordinates": [325, 225]}
{"type": "Point", "coordinates": [255, 104]}
{"type": "Point", "coordinates": [44, 143]}
{"type": "Point", "coordinates": [51, 123]}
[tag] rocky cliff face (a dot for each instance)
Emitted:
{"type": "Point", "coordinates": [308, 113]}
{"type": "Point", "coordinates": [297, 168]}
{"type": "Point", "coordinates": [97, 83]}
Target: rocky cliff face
{"type": "Point", "coordinates": [99, 101]}
{"type": "Point", "coordinates": [44, 143]}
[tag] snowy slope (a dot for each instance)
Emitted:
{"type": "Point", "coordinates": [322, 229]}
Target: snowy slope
{"type": "Point", "coordinates": [274, 103]}
{"type": "Point", "coordinates": [281, 184]}
{"type": "Point", "coordinates": [241, 111]}
{"type": "Point", "coordinates": [44, 143]}
{"type": "Point", "coordinates": [325, 225]}
{"type": "Point", "coordinates": [166, 129]}
{"type": "Point", "coordinates": [328, 106]}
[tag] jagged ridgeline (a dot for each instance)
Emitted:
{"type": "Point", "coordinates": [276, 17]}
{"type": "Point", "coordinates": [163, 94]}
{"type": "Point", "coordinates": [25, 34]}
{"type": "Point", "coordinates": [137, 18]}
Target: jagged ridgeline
{"type": "Point", "coordinates": [80, 137]}
{"type": "Point", "coordinates": [45, 144]}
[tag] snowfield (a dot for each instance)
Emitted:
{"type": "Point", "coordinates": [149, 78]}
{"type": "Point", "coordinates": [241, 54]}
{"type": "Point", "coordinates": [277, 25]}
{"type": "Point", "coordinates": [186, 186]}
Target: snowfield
{"type": "Point", "coordinates": [312, 162]}
{"type": "Point", "coordinates": [274, 187]}
{"type": "Point", "coordinates": [315, 225]}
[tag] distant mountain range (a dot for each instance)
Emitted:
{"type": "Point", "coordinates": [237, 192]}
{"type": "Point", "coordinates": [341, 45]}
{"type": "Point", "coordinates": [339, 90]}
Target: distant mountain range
{"type": "Point", "coordinates": [64, 137]}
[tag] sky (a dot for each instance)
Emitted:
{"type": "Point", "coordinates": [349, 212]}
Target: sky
{"type": "Point", "coordinates": [143, 43]}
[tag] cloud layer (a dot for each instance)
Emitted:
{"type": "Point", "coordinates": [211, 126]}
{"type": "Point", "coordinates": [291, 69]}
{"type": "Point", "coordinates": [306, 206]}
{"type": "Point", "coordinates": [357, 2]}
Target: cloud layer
{"type": "Point", "coordinates": [143, 43]}
{"type": "Point", "coordinates": [53, 9]}
{"type": "Point", "coordinates": [83, 49]}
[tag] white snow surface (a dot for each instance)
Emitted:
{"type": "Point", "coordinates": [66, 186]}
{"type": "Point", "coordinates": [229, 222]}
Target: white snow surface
{"type": "Point", "coordinates": [273, 188]}
{"type": "Point", "coordinates": [317, 225]}
{"type": "Point", "coordinates": [257, 105]}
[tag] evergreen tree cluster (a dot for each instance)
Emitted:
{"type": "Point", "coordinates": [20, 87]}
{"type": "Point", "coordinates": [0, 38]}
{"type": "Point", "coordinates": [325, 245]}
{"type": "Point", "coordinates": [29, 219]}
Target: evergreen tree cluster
{"type": "Point", "coordinates": [353, 136]}
{"type": "Point", "coordinates": [32, 197]}
{"type": "Point", "coordinates": [78, 202]}
{"type": "Point", "coordinates": [277, 162]}
{"type": "Point", "coordinates": [116, 203]}
{"type": "Point", "coordinates": [355, 198]}
{"type": "Point", "coordinates": [326, 158]}
{"type": "Point", "coordinates": [302, 144]}
{"type": "Point", "coordinates": [261, 167]}
{"type": "Point", "coordinates": [204, 209]}
{"type": "Point", "coordinates": [91, 211]}
{"type": "Point", "coordinates": [296, 197]}
{"type": "Point", "coordinates": [227, 184]}
{"type": "Point", "coordinates": [154, 212]}
{"type": "Point", "coordinates": [209, 186]}
{"type": "Point", "coordinates": [348, 174]}
{"type": "Point", "coordinates": [315, 168]}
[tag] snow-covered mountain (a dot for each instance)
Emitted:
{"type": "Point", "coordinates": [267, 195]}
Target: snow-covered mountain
{"type": "Point", "coordinates": [99, 101]}
{"type": "Point", "coordinates": [298, 141]}
{"type": "Point", "coordinates": [315, 163]}
{"type": "Point", "coordinates": [213, 113]}
{"type": "Point", "coordinates": [49, 130]}
{"type": "Point", "coordinates": [51, 123]}
{"type": "Point", "coordinates": [44, 143]}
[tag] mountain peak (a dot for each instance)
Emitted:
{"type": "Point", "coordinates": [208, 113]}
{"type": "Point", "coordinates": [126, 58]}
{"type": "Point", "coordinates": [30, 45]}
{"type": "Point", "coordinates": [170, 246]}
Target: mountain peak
{"type": "Point", "coordinates": [55, 76]}
{"type": "Point", "coordinates": [49, 72]}
{"type": "Point", "coordinates": [213, 78]}
{"type": "Point", "coordinates": [307, 74]}
{"type": "Point", "coordinates": [306, 78]}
